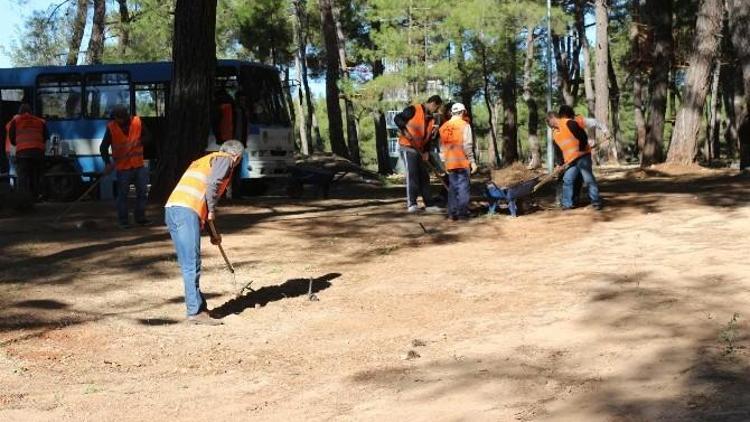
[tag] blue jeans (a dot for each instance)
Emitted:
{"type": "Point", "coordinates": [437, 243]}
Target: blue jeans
{"type": "Point", "coordinates": [185, 229]}
{"type": "Point", "coordinates": [417, 177]}
{"type": "Point", "coordinates": [582, 166]}
{"type": "Point", "coordinates": [459, 193]}
{"type": "Point", "coordinates": [138, 177]}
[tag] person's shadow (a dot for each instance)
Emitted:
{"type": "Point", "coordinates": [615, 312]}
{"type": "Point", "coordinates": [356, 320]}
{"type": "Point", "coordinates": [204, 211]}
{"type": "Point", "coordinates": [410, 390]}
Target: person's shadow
{"type": "Point", "coordinates": [289, 289]}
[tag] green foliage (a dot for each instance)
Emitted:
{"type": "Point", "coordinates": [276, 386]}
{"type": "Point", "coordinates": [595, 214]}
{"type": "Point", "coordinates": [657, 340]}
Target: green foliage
{"type": "Point", "coordinates": [41, 40]}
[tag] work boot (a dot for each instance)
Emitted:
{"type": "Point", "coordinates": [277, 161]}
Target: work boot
{"type": "Point", "coordinates": [203, 318]}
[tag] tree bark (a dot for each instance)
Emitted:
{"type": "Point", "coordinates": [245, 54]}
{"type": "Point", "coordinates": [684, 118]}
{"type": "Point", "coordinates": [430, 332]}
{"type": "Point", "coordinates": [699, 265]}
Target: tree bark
{"type": "Point", "coordinates": [636, 61]}
{"type": "Point", "coordinates": [510, 121]}
{"type": "Point", "coordinates": [739, 23]}
{"type": "Point", "coordinates": [381, 131]}
{"type": "Point", "coordinates": [76, 36]}
{"type": "Point", "coordinates": [351, 122]}
{"type": "Point", "coordinates": [299, 56]}
{"type": "Point", "coordinates": [614, 98]}
{"type": "Point", "coordinates": [335, 122]}
{"type": "Point", "coordinates": [602, 64]}
{"type": "Point", "coordinates": [733, 99]}
{"type": "Point", "coordinates": [96, 42]}
{"type": "Point", "coordinates": [123, 41]}
{"type": "Point", "coordinates": [191, 91]}
{"type": "Point", "coordinates": [528, 96]}
{"type": "Point", "coordinates": [304, 27]}
{"type": "Point", "coordinates": [712, 128]}
{"type": "Point", "coordinates": [660, 13]}
{"type": "Point", "coordinates": [684, 145]}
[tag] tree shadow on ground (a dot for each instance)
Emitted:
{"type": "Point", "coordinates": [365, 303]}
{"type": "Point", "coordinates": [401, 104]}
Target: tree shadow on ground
{"type": "Point", "coordinates": [264, 295]}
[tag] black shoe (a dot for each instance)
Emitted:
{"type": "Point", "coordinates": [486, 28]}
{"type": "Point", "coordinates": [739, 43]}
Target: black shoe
{"type": "Point", "coordinates": [144, 222]}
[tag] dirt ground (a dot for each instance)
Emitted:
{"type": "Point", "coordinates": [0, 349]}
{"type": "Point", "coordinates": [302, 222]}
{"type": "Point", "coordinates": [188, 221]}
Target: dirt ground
{"type": "Point", "coordinates": [623, 315]}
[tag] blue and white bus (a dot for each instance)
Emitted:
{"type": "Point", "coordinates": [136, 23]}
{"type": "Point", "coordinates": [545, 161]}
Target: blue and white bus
{"type": "Point", "coordinates": [76, 102]}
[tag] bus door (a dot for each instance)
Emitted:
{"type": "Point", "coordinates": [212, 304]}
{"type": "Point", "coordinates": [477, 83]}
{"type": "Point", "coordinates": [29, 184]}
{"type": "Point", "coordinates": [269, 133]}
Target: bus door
{"type": "Point", "coordinates": [150, 106]}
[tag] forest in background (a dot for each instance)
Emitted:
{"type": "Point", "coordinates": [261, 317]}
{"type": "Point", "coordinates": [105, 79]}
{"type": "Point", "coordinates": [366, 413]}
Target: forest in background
{"type": "Point", "coordinates": [670, 81]}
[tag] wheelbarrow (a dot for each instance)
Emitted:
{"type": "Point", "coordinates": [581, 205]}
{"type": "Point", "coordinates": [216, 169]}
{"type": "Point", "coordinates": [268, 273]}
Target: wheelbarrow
{"type": "Point", "coordinates": [322, 178]}
{"type": "Point", "coordinates": [510, 195]}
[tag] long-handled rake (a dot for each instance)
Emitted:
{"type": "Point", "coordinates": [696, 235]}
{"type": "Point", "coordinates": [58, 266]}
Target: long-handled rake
{"type": "Point", "coordinates": [230, 267]}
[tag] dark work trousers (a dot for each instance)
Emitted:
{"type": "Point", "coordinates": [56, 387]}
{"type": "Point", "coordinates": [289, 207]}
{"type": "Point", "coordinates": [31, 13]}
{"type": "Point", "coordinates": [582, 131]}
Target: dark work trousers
{"type": "Point", "coordinates": [417, 177]}
{"type": "Point", "coordinates": [577, 188]}
{"type": "Point", "coordinates": [29, 169]}
{"type": "Point", "coordinates": [459, 193]}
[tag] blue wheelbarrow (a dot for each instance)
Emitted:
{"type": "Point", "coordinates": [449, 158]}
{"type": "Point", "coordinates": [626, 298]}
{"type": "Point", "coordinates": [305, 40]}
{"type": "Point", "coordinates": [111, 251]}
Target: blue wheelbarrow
{"type": "Point", "coordinates": [510, 195]}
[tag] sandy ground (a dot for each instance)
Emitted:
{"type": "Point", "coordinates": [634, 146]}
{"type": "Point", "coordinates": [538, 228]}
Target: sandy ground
{"type": "Point", "coordinates": [624, 315]}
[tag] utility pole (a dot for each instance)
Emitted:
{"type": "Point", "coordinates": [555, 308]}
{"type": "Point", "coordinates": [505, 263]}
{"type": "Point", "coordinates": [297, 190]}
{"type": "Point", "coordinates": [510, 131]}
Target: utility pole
{"type": "Point", "coordinates": [550, 151]}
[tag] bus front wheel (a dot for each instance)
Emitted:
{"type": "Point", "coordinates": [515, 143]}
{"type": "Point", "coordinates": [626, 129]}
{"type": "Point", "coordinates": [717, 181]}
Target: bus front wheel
{"type": "Point", "coordinates": [62, 182]}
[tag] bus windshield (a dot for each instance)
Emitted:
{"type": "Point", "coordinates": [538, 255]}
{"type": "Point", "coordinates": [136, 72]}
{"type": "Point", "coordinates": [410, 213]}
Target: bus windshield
{"type": "Point", "coordinates": [264, 97]}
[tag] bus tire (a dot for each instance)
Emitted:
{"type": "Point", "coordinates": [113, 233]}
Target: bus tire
{"type": "Point", "coordinates": [63, 187]}
{"type": "Point", "coordinates": [294, 189]}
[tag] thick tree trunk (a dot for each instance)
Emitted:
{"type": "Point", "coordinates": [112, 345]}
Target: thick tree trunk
{"type": "Point", "coordinates": [96, 42]}
{"type": "Point", "coordinates": [733, 99]}
{"type": "Point", "coordinates": [312, 127]}
{"type": "Point", "coordinates": [351, 120]}
{"type": "Point", "coordinates": [711, 150]}
{"type": "Point", "coordinates": [510, 121]}
{"type": "Point", "coordinates": [123, 42]}
{"type": "Point", "coordinates": [638, 79]}
{"type": "Point", "coordinates": [739, 23]}
{"type": "Point", "coordinates": [602, 64]}
{"type": "Point", "coordinates": [660, 13]}
{"type": "Point", "coordinates": [191, 91]}
{"type": "Point", "coordinates": [76, 36]}
{"type": "Point", "coordinates": [333, 70]}
{"type": "Point", "coordinates": [684, 145]}
{"type": "Point", "coordinates": [528, 96]}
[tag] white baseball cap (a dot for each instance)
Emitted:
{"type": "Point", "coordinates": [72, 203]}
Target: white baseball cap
{"type": "Point", "coordinates": [457, 108]}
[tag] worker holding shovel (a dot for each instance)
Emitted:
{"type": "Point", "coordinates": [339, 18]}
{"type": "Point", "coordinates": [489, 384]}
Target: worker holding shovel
{"type": "Point", "coordinates": [191, 204]}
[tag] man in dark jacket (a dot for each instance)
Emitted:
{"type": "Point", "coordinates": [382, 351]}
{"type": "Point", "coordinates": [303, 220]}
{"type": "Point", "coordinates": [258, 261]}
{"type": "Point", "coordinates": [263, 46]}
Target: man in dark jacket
{"type": "Point", "coordinates": [417, 130]}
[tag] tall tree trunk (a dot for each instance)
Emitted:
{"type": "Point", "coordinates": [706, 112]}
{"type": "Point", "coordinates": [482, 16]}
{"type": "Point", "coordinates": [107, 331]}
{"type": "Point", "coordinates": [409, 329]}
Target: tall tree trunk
{"type": "Point", "coordinates": [602, 64]}
{"type": "Point", "coordinates": [305, 140]}
{"type": "Point", "coordinates": [76, 36]}
{"type": "Point", "coordinates": [467, 90]}
{"type": "Point", "coordinates": [733, 99]}
{"type": "Point", "coordinates": [636, 61]}
{"type": "Point", "coordinates": [510, 122]}
{"type": "Point", "coordinates": [588, 85]}
{"type": "Point", "coordinates": [712, 129]}
{"type": "Point", "coordinates": [191, 91]}
{"type": "Point", "coordinates": [739, 23]}
{"type": "Point", "coordinates": [351, 122]}
{"type": "Point", "coordinates": [96, 42]}
{"type": "Point", "coordinates": [494, 157]}
{"type": "Point", "coordinates": [660, 13]}
{"type": "Point", "coordinates": [333, 70]}
{"type": "Point", "coordinates": [528, 96]}
{"type": "Point", "coordinates": [684, 145]}
{"type": "Point", "coordinates": [378, 116]}
{"type": "Point", "coordinates": [123, 41]}
{"type": "Point", "coordinates": [614, 97]}
{"type": "Point", "coordinates": [304, 27]}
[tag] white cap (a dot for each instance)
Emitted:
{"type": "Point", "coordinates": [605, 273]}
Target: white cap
{"type": "Point", "coordinates": [457, 108]}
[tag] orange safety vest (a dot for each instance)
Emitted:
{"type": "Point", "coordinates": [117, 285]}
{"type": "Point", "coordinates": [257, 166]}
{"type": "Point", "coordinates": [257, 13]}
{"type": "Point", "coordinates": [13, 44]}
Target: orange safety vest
{"type": "Point", "coordinates": [419, 128]}
{"type": "Point", "coordinates": [226, 124]}
{"type": "Point", "coordinates": [568, 143]}
{"type": "Point", "coordinates": [190, 191]}
{"type": "Point", "coordinates": [452, 145]}
{"type": "Point", "coordinates": [29, 132]}
{"type": "Point", "coordinates": [127, 150]}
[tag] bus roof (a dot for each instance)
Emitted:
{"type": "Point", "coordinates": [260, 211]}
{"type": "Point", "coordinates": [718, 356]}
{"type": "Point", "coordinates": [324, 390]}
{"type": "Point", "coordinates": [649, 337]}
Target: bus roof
{"type": "Point", "coordinates": [139, 72]}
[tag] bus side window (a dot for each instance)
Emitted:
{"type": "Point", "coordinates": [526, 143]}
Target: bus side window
{"type": "Point", "coordinates": [104, 92]}
{"type": "Point", "coordinates": [59, 96]}
{"type": "Point", "coordinates": [150, 100]}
